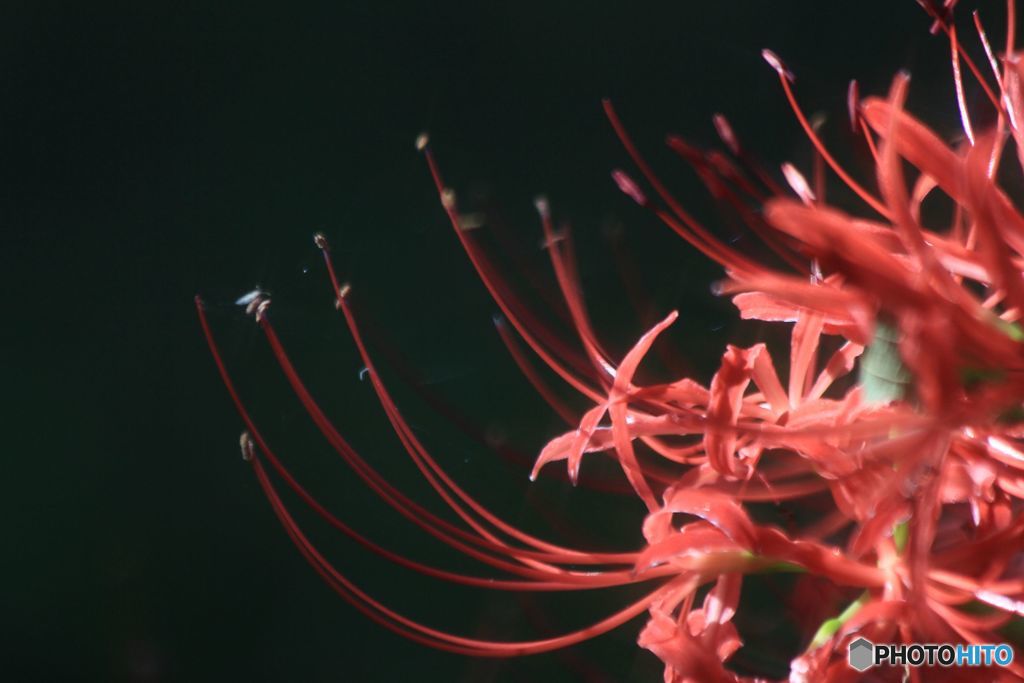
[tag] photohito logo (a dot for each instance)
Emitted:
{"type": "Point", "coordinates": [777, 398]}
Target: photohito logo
{"type": "Point", "coordinates": [864, 654]}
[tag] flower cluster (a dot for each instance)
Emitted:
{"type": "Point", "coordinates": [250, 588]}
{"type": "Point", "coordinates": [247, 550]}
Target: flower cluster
{"type": "Point", "coordinates": [902, 403]}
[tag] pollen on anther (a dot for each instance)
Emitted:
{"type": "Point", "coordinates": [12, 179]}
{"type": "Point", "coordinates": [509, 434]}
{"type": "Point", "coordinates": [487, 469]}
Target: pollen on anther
{"type": "Point", "coordinates": [261, 309]}
{"type": "Point", "coordinates": [344, 290]}
{"type": "Point", "coordinates": [422, 140]}
{"type": "Point", "coordinates": [798, 182]}
{"type": "Point", "coordinates": [249, 297]}
{"type": "Point", "coordinates": [248, 450]}
{"type": "Point", "coordinates": [543, 208]}
{"type": "Point", "coordinates": [724, 129]}
{"type": "Point", "coordinates": [776, 63]}
{"type": "Point", "coordinates": [448, 198]}
{"type": "Point", "coordinates": [320, 241]}
{"type": "Point", "coordinates": [253, 304]}
{"type": "Point", "coordinates": [628, 186]}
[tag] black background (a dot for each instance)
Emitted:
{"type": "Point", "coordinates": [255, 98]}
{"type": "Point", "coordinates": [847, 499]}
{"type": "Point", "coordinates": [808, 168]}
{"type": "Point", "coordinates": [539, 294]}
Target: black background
{"type": "Point", "coordinates": [152, 151]}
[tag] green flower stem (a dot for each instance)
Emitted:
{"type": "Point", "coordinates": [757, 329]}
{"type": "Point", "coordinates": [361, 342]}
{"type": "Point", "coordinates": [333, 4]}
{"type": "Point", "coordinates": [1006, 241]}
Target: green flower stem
{"type": "Point", "coordinates": [830, 626]}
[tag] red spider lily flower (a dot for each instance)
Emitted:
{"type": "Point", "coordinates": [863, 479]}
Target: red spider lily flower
{"type": "Point", "coordinates": [920, 457]}
{"type": "Point", "coordinates": [914, 292]}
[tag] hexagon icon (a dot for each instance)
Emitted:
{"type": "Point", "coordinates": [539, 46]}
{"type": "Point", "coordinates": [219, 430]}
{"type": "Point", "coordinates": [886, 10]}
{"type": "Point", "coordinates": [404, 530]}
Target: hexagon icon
{"type": "Point", "coordinates": [862, 654]}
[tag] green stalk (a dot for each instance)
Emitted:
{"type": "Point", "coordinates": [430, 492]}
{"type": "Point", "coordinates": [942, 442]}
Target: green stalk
{"type": "Point", "coordinates": [829, 627]}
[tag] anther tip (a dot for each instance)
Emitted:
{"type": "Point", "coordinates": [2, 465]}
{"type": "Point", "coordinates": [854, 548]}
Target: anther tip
{"type": "Point", "coordinates": [248, 450]}
{"type": "Point", "coordinates": [798, 183]}
{"type": "Point", "coordinates": [261, 309]}
{"type": "Point", "coordinates": [344, 290]}
{"type": "Point", "coordinates": [629, 187]}
{"type": "Point", "coordinates": [448, 198]}
{"type": "Point", "coordinates": [253, 295]}
{"type": "Point", "coordinates": [255, 302]}
{"type": "Point", "coordinates": [542, 206]}
{"type": "Point", "coordinates": [853, 104]}
{"type": "Point", "coordinates": [726, 133]}
{"type": "Point", "coordinates": [776, 63]}
{"type": "Point", "coordinates": [320, 240]}
{"type": "Point", "coordinates": [422, 140]}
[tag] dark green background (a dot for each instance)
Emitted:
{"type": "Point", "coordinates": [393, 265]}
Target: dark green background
{"type": "Point", "coordinates": [151, 151]}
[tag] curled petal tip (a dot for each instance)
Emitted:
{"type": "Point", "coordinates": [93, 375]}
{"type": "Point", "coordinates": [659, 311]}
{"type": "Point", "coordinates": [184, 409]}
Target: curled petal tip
{"type": "Point", "coordinates": [573, 469]}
